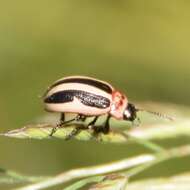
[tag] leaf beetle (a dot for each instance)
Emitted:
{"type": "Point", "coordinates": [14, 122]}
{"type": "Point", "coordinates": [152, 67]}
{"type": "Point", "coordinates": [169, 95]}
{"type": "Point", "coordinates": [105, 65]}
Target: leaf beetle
{"type": "Point", "coordinates": [88, 97]}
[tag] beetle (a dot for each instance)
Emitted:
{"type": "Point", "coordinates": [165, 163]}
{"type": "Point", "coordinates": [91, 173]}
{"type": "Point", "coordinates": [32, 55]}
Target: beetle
{"type": "Point", "coordinates": [88, 97]}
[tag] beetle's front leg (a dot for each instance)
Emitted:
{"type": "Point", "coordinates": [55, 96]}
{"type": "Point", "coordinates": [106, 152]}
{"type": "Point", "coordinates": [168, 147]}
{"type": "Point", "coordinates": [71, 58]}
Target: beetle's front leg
{"type": "Point", "coordinates": [106, 128]}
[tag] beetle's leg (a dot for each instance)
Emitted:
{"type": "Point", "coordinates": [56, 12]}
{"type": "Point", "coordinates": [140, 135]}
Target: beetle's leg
{"type": "Point", "coordinates": [80, 117]}
{"type": "Point", "coordinates": [91, 124]}
{"type": "Point", "coordinates": [106, 127]}
{"type": "Point", "coordinates": [62, 119]}
{"type": "Point", "coordinates": [62, 122]}
{"type": "Point", "coordinates": [74, 132]}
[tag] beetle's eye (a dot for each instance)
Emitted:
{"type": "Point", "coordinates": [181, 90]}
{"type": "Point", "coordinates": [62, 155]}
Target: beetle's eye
{"type": "Point", "coordinates": [130, 112]}
{"type": "Point", "coordinates": [127, 114]}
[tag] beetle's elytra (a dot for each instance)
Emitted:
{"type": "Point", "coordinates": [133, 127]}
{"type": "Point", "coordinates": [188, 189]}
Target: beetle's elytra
{"type": "Point", "coordinates": [88, 96]}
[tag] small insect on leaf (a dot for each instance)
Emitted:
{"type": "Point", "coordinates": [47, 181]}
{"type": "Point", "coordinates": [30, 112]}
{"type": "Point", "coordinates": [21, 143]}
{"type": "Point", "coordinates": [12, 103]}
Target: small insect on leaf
{"type": "Point", "coordinates": [86, 97]}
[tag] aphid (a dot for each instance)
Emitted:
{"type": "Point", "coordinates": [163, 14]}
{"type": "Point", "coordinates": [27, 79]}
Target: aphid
{"type": "Point", "coordinates": [86, 97]}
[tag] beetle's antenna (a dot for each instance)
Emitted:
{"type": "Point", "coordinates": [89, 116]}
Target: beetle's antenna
{"type": "Point", "coordinates": [158, 114]}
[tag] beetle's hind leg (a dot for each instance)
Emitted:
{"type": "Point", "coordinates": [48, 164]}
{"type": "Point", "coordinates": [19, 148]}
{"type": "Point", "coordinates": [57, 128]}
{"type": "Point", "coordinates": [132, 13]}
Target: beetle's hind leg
{"type": "Point", "coordinates": [62, 122]}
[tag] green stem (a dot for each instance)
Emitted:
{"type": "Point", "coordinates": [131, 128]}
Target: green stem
{"type": "Point", "coordinates": [144, 160]}
{"type": "Point", "coordinates": [148, 144]}
{"type": "Point", "coordinates": [90, 171]}
{"type": "Point", "coordinates": [9, 176]}
{"type": "Point", "coordinates": [160, 157]}
{"type": "Point", "coordinates": [84, 182]}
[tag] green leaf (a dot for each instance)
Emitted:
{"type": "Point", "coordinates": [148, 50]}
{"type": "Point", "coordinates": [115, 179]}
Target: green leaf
{"type": "Point", "coordinates": [43, 131]}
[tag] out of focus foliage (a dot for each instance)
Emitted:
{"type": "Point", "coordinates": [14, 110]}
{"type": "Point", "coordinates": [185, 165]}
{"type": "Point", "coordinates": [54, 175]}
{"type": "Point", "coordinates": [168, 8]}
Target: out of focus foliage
{"type": "Point", "coordinates": [141, 47]}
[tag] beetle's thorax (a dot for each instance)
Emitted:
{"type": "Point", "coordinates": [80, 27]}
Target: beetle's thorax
{"type": "Point", "coordinates": [118, 105]}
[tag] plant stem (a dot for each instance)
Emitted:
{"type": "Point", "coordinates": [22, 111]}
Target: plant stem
{"type": "Point", "coordinates": [147, 143]}
{"type": "Point", "coordinates": [90, 171]}
{"type": "Point", "coordinates": [160, 157]}
{"type": "Point", "coordinates": [144, 161]}
{"type": "Point", "coordinates": [9, 176]}
{"type": "Point", "coordinates": [85, 181]}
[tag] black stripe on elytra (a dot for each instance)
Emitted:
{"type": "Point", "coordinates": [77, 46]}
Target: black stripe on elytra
{"type": "Point", "coordinates": [91, 82]}
{"type": "Point", "coordinates": [88, 99]}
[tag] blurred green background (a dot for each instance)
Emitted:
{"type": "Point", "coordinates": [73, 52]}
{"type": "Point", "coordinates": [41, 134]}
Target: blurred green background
{"type": "Point", "coordinates": [141, 47]}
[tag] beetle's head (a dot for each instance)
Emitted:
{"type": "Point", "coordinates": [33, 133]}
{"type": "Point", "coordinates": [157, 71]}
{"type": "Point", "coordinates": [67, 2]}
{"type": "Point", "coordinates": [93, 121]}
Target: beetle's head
{"type": "Point", "coordinates": [130, 112]}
